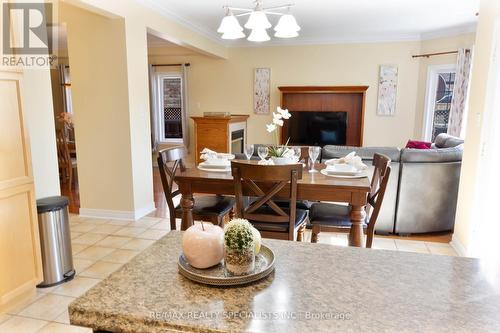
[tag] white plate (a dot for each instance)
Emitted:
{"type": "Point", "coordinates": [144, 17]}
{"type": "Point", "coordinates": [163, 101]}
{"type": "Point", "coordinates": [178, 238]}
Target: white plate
{"type": "Point", "coordinates": [362, 174]}
{"type": "Point", "coordinates": [214, 170]}
{"type": "Point", "coordinates": [214, 166]}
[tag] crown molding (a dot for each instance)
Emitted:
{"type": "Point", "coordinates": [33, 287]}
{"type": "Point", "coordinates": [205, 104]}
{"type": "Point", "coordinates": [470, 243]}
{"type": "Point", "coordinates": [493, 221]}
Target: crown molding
{"type": "Point", "coordinates": [450, 32]}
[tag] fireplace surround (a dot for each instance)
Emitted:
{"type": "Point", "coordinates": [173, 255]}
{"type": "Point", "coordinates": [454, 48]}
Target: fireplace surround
{"type": "Point", "coordinates": [336, 102]}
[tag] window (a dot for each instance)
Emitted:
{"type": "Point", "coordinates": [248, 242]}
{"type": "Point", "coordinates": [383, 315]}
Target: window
{"type": "Point", "coordinates": [170, 117]}
{"type": "Point", "coordinates": [440, 84]}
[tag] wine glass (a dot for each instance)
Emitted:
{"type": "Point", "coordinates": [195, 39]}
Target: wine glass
{"type": "Point", "coordinates": [262, 151]}
{"type": "Point", "coordinates": [249, 151]}
{"type": "Point", "coordinates": [297, 152]}
{"type": "Point", "coordinates": [313, 155]}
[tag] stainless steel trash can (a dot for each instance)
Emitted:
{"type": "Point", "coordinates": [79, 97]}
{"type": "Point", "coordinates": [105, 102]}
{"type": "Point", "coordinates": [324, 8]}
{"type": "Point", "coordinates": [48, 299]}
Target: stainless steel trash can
{"type": "Point", "coordinates": [55, 240]}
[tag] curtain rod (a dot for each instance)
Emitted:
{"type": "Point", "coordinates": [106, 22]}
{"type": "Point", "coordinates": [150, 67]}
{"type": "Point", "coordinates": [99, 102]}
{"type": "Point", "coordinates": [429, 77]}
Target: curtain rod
{"type": "Point", "coordinates": [186, 64]}
{"type": "Point", "coordinates": [427, 55]}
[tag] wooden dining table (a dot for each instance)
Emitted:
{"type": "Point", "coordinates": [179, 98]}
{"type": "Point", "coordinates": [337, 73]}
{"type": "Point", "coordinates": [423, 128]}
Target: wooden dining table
{"type": "Point", "coordinates": [312, 186]}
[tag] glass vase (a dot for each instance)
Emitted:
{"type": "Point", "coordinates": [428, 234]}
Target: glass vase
{"type": "Point", "coordinates": [239, 262]}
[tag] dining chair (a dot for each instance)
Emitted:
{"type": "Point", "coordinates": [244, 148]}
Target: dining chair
{"type": "Point", "coordinates": [67, 164]}
{"type": "Point", "coordinates": [209, 208]}
{"type": "Point", "coordinates": [335, 217]}
{"type": "Point", "coordinates": [264, 182]}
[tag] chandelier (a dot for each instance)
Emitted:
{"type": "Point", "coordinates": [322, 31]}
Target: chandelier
{"type": "Point", "coordinates": [258, 23]}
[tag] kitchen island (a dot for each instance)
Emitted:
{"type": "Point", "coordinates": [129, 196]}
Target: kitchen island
{"type": "Point", "coordinates": [314, 288]}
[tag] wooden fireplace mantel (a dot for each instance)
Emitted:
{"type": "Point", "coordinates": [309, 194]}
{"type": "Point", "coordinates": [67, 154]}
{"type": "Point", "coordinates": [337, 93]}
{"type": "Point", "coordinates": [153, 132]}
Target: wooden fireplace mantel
{"type": "Point", "coordinates": [350, 99]}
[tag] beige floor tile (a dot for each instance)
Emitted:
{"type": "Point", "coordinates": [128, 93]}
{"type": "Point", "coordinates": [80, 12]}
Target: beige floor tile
{"type": "Point", "coordinates": [96, 221]}
{"type": "Point", "coordinates": [63, 318]}
{"type": "Point", "coordinates": [130, 231]}
{"type": "Point", "coordinates": [22, 325]}
{"type": "Point", "coordinates": [153, 234]}
{"type": "Point", "coordinates": [46, 290]}
{"type": "Point", "coordinates": [62, 328]}
{"type": "Point", "coordinates": [76, 287]}
{"type": "Point", "coordinates": [113, 241]}
{"type": "Point", "coordinates": [78, 247]}
{"type": "Point", "coordinates": [144, 223]}
{"type": "Point", "coordinates": [137, 244]}
{"type": "Point", "coordinates": [442, 249]}
{"type": "Point", "coordinates": [411, 246]}
{"type": "Point", "coordinates": [88, 239]}
{"type": "Point", "coordinates": [4, 317]}
{"type": "Point", "coordinates": [94, 252]}
{"type": "Point", "coordinates": [48, 307]}
{"type": "Point", "coordinates": [384, 244]}
{"type": "Point", "coordinates": [16, 308]}
{"type": "Point", "coordinates": [100, 270]}
{"type": "Point", "coordinates": [163, 225]}
{"type": "Point", "coordinates": [150, 219]}
{"type": "Point", "coordinates": [120, 256]}
{"type": "Point", "coordinates": [106, 229]}
{"type": "Point", "coordinates": [75, 234]}
{"type": "Point", "coordinates": [82, 264]}
{"type": "Point", "coordinates": [118, 222]}
{"type": "Point", "coordinates": [83, 227]}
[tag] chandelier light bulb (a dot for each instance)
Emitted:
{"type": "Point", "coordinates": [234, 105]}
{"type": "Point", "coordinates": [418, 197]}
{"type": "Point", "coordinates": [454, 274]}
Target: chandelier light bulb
{"type": "Point", "coordinates": [287, 23]}
{"type": "Point", "coordinates": [229, 24]}
{"type": "Point", "coordinates": [258, 35]}
{"type": "Point", "coordinates": [258, 20]}
{"type": "Point", "coordinates": [233, 35]}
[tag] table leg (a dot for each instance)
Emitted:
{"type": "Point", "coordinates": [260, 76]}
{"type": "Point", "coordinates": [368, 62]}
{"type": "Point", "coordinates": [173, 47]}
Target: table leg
{"type": "Point", "coordinates": [357, 220]}
{"type": "Point", "coordinates": [187, 203]}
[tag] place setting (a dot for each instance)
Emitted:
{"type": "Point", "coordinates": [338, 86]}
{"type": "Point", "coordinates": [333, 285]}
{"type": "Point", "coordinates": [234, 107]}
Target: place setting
{"type": "Point", "coordinates": [350, 166]}
{"type": "Point", "coordinates": [214, 161]}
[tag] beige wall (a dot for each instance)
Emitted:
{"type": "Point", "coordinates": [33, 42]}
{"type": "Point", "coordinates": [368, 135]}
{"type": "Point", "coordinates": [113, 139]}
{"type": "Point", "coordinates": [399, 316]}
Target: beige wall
{"type": "Point", "coordinates": [468, 214]}
{"type": "Point", "coordinates": [227, 85]}
{"type": "Point", "coordinates": [432, 46]}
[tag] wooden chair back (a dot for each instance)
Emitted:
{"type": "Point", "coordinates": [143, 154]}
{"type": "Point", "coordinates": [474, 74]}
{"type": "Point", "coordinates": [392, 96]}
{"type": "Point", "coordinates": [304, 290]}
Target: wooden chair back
{"type": "Point", "coordinates": [63, 155]}
{"type": "Point", "coordinates": [169, 161]}
{"type": "Point", "coordinates": [253, 177]}
{"type": "Point", "coordinates": [381, 173]}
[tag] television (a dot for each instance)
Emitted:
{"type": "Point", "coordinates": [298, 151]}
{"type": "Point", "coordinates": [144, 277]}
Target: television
{"type": "Point", "coordinates": [317, 128]}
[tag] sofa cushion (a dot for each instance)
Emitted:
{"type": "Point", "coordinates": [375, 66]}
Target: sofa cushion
{"type": "Point", "coordinates": [414, 144]}
{"type": "Point", "coordinates": [366, 153]}
{"type": "Point", "coordinates": [443, 155]}
{"type": "Point", "coordinates": [444, 140]}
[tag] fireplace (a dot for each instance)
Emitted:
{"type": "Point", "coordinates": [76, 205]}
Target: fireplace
{"type": "Point", "coordinates": [317, 128]}
{"type": "Point", "coordinates": [324, 115]}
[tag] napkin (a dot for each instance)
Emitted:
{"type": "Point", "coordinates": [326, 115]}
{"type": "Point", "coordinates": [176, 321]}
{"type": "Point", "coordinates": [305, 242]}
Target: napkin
{"type": "Point", "coordinates": [211, 156]}
{"type": "Point", "coordinates": [350, 159]}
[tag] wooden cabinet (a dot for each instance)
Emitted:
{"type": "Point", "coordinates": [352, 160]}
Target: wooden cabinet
{"type": "Point", "coordinates": [221, 134]}
{"type": "Point", "coordinates": [20, 260]}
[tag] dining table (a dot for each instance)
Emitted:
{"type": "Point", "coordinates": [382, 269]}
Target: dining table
{"type": "Point", "coordinates": [312, 186]}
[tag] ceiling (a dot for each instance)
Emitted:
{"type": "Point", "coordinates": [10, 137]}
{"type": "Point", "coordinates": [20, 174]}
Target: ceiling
{"type": "Point", "coordinates": [327, 21]}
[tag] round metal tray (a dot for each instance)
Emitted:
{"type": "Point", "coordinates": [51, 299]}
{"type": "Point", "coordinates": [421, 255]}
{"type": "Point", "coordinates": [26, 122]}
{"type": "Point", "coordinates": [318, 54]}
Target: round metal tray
{"type": "Point", "coordinates": [216, 276]}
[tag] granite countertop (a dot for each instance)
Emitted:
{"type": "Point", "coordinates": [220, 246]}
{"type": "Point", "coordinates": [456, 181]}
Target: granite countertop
{"type": "Point", "coordinates": [315, 288]}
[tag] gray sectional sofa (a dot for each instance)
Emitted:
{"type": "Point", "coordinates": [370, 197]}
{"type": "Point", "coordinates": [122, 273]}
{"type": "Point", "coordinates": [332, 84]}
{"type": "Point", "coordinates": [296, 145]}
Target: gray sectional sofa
{"type": "Point", "coordinates": [421, 196]}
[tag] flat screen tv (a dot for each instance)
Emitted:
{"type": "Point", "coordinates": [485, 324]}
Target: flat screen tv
{"type": "Point", "coordinates": [317, 128]}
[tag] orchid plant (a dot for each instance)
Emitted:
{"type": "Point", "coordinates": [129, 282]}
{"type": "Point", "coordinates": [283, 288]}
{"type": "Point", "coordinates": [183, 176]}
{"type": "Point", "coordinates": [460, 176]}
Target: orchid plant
{"type": "Point", "coordinates": [278, 121]}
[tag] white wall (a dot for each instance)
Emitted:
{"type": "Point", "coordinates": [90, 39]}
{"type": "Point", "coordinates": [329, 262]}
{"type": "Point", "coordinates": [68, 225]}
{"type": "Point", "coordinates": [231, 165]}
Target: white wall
{"type": "Point", "coordinates": [37, 99]}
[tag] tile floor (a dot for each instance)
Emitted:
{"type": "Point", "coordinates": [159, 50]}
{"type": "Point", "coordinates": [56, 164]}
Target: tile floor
{"type": "Point", "coordinates": [100, 247]}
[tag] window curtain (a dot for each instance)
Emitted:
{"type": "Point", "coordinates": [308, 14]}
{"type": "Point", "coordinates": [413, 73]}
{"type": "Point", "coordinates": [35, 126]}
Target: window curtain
{"type": "Point", "coordinates": [185, 112]}
{"type": "Point", "coordinates": [458, 114]}
{"type": "Point", "coordinates": [154, 105]}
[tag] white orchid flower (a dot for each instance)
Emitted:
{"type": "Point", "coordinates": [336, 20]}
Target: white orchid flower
{"type": "Point", "coordinates": [271, 127]}
{"type": "Point", "coordinates": [278, 122]}
{"type": "Point", "coordinates": [277, 115]}
{"type": "Point", "coordinates": [283, 113]}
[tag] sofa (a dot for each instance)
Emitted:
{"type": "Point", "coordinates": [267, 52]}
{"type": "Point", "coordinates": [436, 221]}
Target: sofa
{"type": "Point", "coordinates": [422, 192]}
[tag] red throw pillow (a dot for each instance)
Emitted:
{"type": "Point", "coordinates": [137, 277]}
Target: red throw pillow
{"type": "Point", "coordinates": [413, 144]}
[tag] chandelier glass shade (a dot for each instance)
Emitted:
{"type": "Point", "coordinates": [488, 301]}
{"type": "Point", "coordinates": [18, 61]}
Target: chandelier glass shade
{"type": "Point", "coordinates": [258, 23]}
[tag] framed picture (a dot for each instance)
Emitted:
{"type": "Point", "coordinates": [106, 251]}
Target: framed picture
{"type": "Point", "coordinates": [261, 90]}
{"type": "Point", "coordinates": [387, 90]}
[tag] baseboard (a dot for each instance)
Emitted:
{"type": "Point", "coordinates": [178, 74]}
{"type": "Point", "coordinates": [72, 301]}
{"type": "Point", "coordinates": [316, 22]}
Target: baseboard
{"type": "Point", "coordinates": [458, 247]}
{"type": "Point", "coordinates": [117, 214]}
{"type": "Point", "coordinates": [20, 295]}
